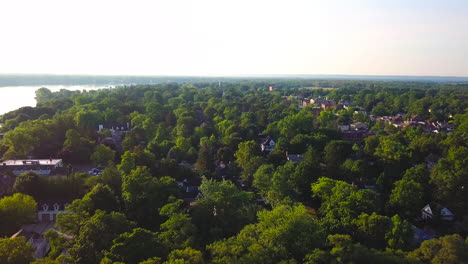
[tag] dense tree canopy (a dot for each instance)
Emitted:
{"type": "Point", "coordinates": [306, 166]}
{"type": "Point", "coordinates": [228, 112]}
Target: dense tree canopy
{"type": "Point", "coordinates": [186, 180]}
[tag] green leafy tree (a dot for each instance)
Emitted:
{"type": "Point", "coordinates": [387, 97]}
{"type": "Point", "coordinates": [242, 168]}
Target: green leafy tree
{"type": "Point", "coordinates": [407, 198]}
{"type": "Point", "coordinates": [282, 184]}
{"type": "Point", "coordinates": [281, 234]}
{"type": "Point", "coordinates": [223, 210]}
{"type": "Point", "coordinates": [262, 178]}
{"type": "Point", "coordinates": [80, 147]}
{"type": "Point", "coordinates": [185, 256]}
{"type": "Point", "coordinates": [96, 235]}
{"type": "Point", "coordinates": [15, 211]}
{"type": "Point", "coordinates": [450, 178]}
{"type": "Point", "coordinates": [372, 229]}
{"type": "Point", "coordinates": [58, 243]}
{"type": "Point", "coordinates": [336, 153]}
{"type": "Point", "coordinates": [391, 150]}
{"type": "Point", "coordinates": [103, 155]}
{"type": "Point", "coordinates": [345, 251]}
{"type": "Point", "coordinates": [27, 183]}
{"type": "Point", "coordinates": [451, 249]}
{"type": "Point", "coordinates": [128, 162]}
{"type": "Point", "coordinates": [144, 195]}
{"type": "Point", "coordinates": [136, 246]}
{"type": "Point", "coordinates": [247, 157]}
{"type": "Point", "coordinates": [400, 235]}
{"type": "Point", "coordinates": [342, 203]}
{"type": "Point", "coordinates": [205, 160]}
{"type": "Point", "coordinates": [16, 251]}
{"type": "Point", "coordinates": [87, 121]}
{"type": "Point", "coordinates": [177, 231]}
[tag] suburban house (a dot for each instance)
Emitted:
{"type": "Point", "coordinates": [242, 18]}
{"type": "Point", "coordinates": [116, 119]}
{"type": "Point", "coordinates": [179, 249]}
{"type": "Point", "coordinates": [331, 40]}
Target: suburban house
{"type": "Point", "coordinates": [294, 157]}
{"type": "Point", "coordinates": [320, 101]}
{"type": "Point", "coordinates": [45, 167]}
{"type": "Point", "coordinates": [268, 144]}
{"type": "Point", "coordinates": [343, 127]}
{"type": "Point", "coordinates": [47, 210]}
{"type": "Point", "coordinates": [415, 119]}
{"type": "Point", "coordinates": [346, 104]}
{"type": "Point", "coordinates": [34, 234]}
{"type": "Point", "coordinates": [316, 111]}
{"type": "Point", "coordinates": [445, 213]}
{"type": "Point", "coordinates": [358, 126]}
{"type": "Point", "coordinates": [189, 190]}
{"type": "Point", "coordinates": [326, 105]}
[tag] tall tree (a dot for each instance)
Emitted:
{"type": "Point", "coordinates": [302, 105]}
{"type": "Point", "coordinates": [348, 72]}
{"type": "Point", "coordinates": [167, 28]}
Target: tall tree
{"type": "Point", "coordinates": [96, 235]}
{"type": "Point", "coordinates": [15, 211]}
{"type": "Point", "coordinates": [103, 155]}
{"type": "Point", "coordinates": [16, 251]}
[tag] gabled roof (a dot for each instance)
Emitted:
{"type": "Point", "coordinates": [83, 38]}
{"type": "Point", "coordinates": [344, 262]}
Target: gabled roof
{"type": "Point", "coordinates": [295, 158]}
{"type": "Point", "coordinates": [267, 140]}
{"type": "Point", "coordinates": [427, 209]}
{"type": "Point", "coordinates": [446, 212]}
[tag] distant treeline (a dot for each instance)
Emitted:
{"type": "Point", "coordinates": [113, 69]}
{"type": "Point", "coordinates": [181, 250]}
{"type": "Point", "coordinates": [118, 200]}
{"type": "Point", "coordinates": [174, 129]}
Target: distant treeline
{"type": "Point", "coordinates": [306, 80]}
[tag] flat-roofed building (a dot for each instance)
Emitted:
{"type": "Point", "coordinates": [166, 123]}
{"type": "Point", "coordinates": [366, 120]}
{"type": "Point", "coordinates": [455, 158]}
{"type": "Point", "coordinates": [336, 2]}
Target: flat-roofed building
{"type": "Point", "coordinates": [45, 167]}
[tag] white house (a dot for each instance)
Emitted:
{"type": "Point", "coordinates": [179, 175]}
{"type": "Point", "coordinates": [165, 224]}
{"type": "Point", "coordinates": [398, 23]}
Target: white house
{"type": "Point", "coordinates": [268, 144]}
{"type": "Point", "coordinates": [47, 211]}
{"type": "Point", "coordinates": [40, 166]}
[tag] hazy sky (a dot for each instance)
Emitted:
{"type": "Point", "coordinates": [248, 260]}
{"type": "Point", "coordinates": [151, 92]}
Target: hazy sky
{"type": "Point", "coordinates": [204, 37]}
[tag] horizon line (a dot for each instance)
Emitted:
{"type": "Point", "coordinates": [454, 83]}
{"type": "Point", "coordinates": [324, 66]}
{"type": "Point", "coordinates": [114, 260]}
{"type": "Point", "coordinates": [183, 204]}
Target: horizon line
{"type": "Point", "coordinates": [233, 75]}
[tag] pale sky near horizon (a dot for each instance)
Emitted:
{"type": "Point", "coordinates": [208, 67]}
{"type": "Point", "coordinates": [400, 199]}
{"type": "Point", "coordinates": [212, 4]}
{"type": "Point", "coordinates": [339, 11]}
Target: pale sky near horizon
{"type": "Point", "coordinates": [218, 37]}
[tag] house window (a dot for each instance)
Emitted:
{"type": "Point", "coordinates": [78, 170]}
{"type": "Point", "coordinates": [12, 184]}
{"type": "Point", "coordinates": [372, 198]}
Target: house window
{"type": "Point", "coordinates": [45, 207]}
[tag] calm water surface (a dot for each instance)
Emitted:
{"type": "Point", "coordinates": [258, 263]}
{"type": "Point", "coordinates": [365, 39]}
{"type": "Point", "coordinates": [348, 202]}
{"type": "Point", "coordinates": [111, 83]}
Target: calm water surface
{"type": "Point", "coordinates": [14, 97]}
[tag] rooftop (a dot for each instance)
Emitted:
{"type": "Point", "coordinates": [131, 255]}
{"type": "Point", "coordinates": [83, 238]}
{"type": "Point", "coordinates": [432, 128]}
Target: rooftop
{"type": "Point", "coordinates": [31, 162]}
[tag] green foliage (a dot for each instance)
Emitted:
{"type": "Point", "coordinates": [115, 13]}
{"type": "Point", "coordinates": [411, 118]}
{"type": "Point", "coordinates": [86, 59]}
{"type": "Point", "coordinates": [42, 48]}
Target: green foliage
{"type": "Point", "coordinates": [144, 195]}
{"type": "Point", "coordinates": [136, 246]}
{"type": "Point", "coordinates": [58, 243]}
{"type": "Point", "coordinates": [16, 251]}
{"type": "Point", "coordinates": [345, 251]}
{"type": "Point", "coordinates": [391, 150]}
{"type": "Point", "coordinates": [80, 147]}
{"type": "Point", "coordinates": [177, 231]}
{"type": "Point", "coordinates": [400, 235]}
{"type": "Point", "coordinates": [96, 234]}
{"type": "Point", "coordinates": [27, 183]}
{"type": "Point", "coordinates": [30, 137]}
{"type": "Point", "coordinates": [372, 229]}
{"type": "Point", "coordinates": [128, 162]}
{"type": "Point", "coordinates": [205, 124]}
{"type": "Point", "coordinates": [407, 198]}
{"type": "Point", "coordinates": [185, 256]}
{"type": "Point", "coordinates": [448, 250]}
{"type": "Point", "coordinates": [223, 210]}
{"type": "Point", "coordinates": [450, 178]}
{"type": "Point", "coordinates": [283, 233]}
{"type": "Point", "coordinates": [247, 157]}
{"type": "Point", "coordinates": [15, 211]}
{"type": "Point", "coordinates": [341, 203]}
{"type": "Point", "coordinates": [102, 155]}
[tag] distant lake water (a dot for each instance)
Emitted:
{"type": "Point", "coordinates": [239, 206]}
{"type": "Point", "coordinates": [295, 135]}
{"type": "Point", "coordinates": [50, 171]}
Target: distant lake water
{"type": "Point", "coordinates": [14, 97]}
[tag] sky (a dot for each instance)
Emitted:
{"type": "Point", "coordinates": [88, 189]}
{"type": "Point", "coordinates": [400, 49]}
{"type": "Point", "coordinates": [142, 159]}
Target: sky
{"type": "Point", "coordinates": [241, 37]}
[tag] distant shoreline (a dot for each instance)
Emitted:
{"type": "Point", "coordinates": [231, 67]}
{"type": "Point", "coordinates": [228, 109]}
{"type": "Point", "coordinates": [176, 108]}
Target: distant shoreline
{"type": "Point", "coordinates": [14, 97]}
{"type": "Point", "coordinates": [118, 80]}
